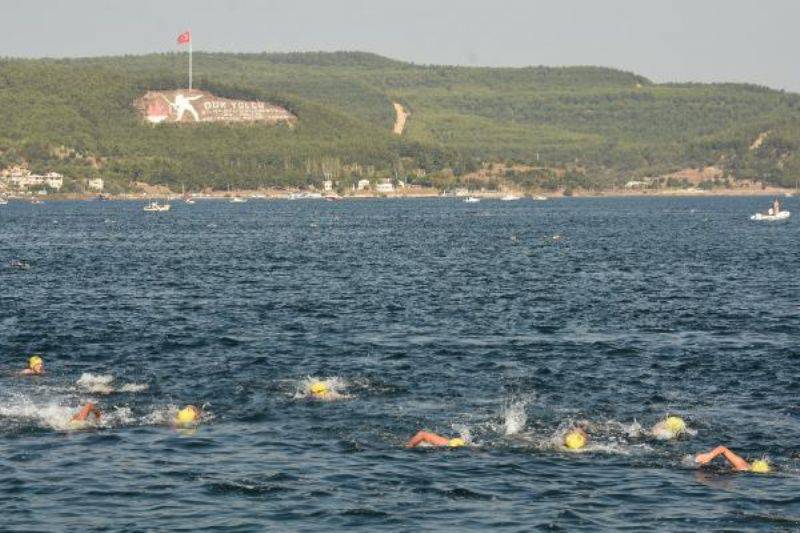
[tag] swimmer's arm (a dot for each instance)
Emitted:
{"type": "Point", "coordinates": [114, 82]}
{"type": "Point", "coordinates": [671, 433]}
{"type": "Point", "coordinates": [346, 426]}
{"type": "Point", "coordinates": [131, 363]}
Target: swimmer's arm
{"type": "Point", "coordinates": [84, 413]}
{"type": "Point", "coordinates": [425, 436]}
{"type": "Point", "coordinates": [737, 462]}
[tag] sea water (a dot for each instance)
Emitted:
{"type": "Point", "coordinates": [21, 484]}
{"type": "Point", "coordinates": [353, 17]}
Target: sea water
{"type": "Point", "coordinates": [500, 322]}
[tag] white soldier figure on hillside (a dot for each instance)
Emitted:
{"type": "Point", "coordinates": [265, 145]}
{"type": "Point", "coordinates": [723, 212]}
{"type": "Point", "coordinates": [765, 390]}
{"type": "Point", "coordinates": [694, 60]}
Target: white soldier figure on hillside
{"type": "Point", "coordinates": [183, 104]}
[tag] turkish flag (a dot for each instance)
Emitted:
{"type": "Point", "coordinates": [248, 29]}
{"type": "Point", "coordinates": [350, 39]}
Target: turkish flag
{"type": "Point", "coordinates": [185, 37]}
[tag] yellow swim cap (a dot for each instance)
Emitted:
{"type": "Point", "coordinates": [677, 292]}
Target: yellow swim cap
{"type": "Point", "coordinates": [188, 415]}
{"type": "Point", "coordinates": [34, 361]}
{"type": "Point", "coordinates": [456, 442]}
{"type": "Point", "coordinates": [318, 388]}
{"type": "Point", "coordinates": [675, 425]}
{"type": "Point", "coordinates": [575, 440]}
{"type": "Point", "coordinates": [760, 466]}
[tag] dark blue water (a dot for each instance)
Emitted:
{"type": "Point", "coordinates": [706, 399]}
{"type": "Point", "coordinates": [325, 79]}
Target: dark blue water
{"type": "Point", "coordinates": [458, 318]}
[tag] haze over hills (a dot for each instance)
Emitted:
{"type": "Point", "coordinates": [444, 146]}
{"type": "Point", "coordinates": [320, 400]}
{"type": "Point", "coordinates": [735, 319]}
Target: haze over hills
{"type": "Point", "coordinates": [586, 127]}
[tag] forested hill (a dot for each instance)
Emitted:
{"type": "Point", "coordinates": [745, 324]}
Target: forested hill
{"type": "Point", "coordinates": [597, 126]}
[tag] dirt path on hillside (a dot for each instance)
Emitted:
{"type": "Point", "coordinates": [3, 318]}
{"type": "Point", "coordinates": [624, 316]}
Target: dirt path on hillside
{"type": "Point", "coordinates": [759, 141]}
{"type": "Point", "coordinates": [400, 121]}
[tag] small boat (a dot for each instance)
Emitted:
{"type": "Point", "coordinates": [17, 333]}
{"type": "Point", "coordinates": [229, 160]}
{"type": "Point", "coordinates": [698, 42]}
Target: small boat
{"type": "Point", "coordinates": [540, 198]}
{"type": "Point", "coordinates": [258, 196]}
{"type": "Point", "coordinates": [155, 207]}
{"type": "Point", "coordinates": [36, 201]}
{"type": "Point", "coordinates": [471, 200]}
{"type": "Point", "coordinates": [509, 198]}
{"type": "Point", "coordinates": [3, 201]}
{"type": "Point", "coordinates": [19, 264]}
{"type": "Point", "coordinates": [782, 215]}
{"type": "Point", "coordinates": [189, 201]}
{"type": "Point", "coordinates": [333, 197]}
{"type": "Point", "coordinates": [238, 200]}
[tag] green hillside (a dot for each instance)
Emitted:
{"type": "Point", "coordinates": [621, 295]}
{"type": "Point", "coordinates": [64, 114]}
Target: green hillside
{"type": "Point", "coordinates": [601, 125]}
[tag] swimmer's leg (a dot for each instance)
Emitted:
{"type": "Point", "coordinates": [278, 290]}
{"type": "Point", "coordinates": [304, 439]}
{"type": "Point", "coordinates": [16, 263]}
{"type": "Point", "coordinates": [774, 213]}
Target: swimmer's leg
{"type": "Point", "coordinates": [430, 438]}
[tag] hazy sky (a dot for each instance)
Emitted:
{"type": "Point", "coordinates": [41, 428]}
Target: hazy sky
{"type": "Point", "coordinates": [667, 40]}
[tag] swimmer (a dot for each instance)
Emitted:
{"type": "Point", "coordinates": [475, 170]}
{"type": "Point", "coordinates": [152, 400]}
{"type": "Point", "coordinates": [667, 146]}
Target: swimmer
{"type": "Point", "coordinates": [324, 390]}
{"type": "Point", "coordinates": [671, 427]}
{"type": "Point", "coordinates": [35, 366]}
{"type": "Point", "coordinates": [432, 439]}
{"type": "Point", "coordinates": [80, 420]}
{"type": "Point", "coordinates": [576, 438]}
{"type": "Point", "coordinates": [759, 466]}
{"type": "Point", "coordinates": [188, 416]}
{"type": "Point", "coordinates": [318, 389]}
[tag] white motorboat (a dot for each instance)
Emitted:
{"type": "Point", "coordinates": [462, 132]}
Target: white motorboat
{"type": "Point", "coordinates": [540, 198]}
{"type": "Point", "coordinates": [155, 207]}
{"type": "Point", "coordinates": [304, 195]}
{"type": "Point", "coordinates": [509, 198]}
{"type": "Point", "coordinates": [189, 201]}
{"type": "Point", "coordinates": [782, 215]}
{"type": "Point", "coordinates": [471, 200]}
{"type": "Point", "coordinates": [238, 200]}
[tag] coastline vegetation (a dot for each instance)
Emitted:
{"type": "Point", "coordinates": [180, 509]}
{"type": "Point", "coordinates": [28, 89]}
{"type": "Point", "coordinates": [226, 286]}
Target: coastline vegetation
{"type": "Point", "coordinates": [578, 127]}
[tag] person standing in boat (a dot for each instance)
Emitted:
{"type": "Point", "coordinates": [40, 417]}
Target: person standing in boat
{"type": "Point", "coordinates": [776, 206]}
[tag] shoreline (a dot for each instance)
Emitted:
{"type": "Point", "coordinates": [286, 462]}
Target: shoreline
{"type": "Point", "coordinates": [274, 194]}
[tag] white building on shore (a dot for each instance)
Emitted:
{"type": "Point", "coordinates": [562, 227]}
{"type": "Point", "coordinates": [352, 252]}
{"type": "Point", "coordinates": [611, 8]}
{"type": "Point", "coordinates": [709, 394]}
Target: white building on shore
{"type": "Point", "coordinates": [23, 179]}
{"type": "Point", "coordinates": [384, 187]}
{"type": "Point", "coordinates": [95, 184]}
{"type": "Point", "coordinates": [362, 185]}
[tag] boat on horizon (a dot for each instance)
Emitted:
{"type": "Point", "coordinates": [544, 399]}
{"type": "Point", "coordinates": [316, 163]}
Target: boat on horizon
{"type": "Point", "coordinates": [471, 200]}
{"type": "Point", "coordinates": [304, 195]}
{"type": "Point", "coordinates": [509, 198]}
{"type": "Point", "coordinates": [782, 215]}
{"type": "Point", "coordinates": [540, 198]}
{"type": "Point", "coordinates": [238, 200]}
{"type": "Point", "coordinates": [155, 207]}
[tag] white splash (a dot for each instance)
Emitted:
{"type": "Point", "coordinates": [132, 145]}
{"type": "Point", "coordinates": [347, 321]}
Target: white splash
{"type": "Point", "coordinates": [102, 384]}
{"type": "Point", "coordinates": [514, 417]}
{"type": "Point", "coordinates": [98, 384]}
{"type": "Point", "coordinates": [134, 387]}
{"type": "Point", "coordinates": [463, 431]}
{"type": "Point", "coordinates": [335, 386]}
{"type": "Point", "coordinates": [51, 415]}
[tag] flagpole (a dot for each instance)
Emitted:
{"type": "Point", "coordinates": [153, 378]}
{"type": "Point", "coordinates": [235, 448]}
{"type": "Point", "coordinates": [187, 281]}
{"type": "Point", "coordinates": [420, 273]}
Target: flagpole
{"type": "Point", "coordinates": [190, 62]}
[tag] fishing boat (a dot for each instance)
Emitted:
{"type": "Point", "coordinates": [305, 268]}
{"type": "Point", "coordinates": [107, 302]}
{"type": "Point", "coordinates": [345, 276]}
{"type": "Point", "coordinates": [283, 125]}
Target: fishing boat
{"type": "Point", "coordinates": [155, 207]}
{"type": "Point", "coordinates": [471, 200]}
